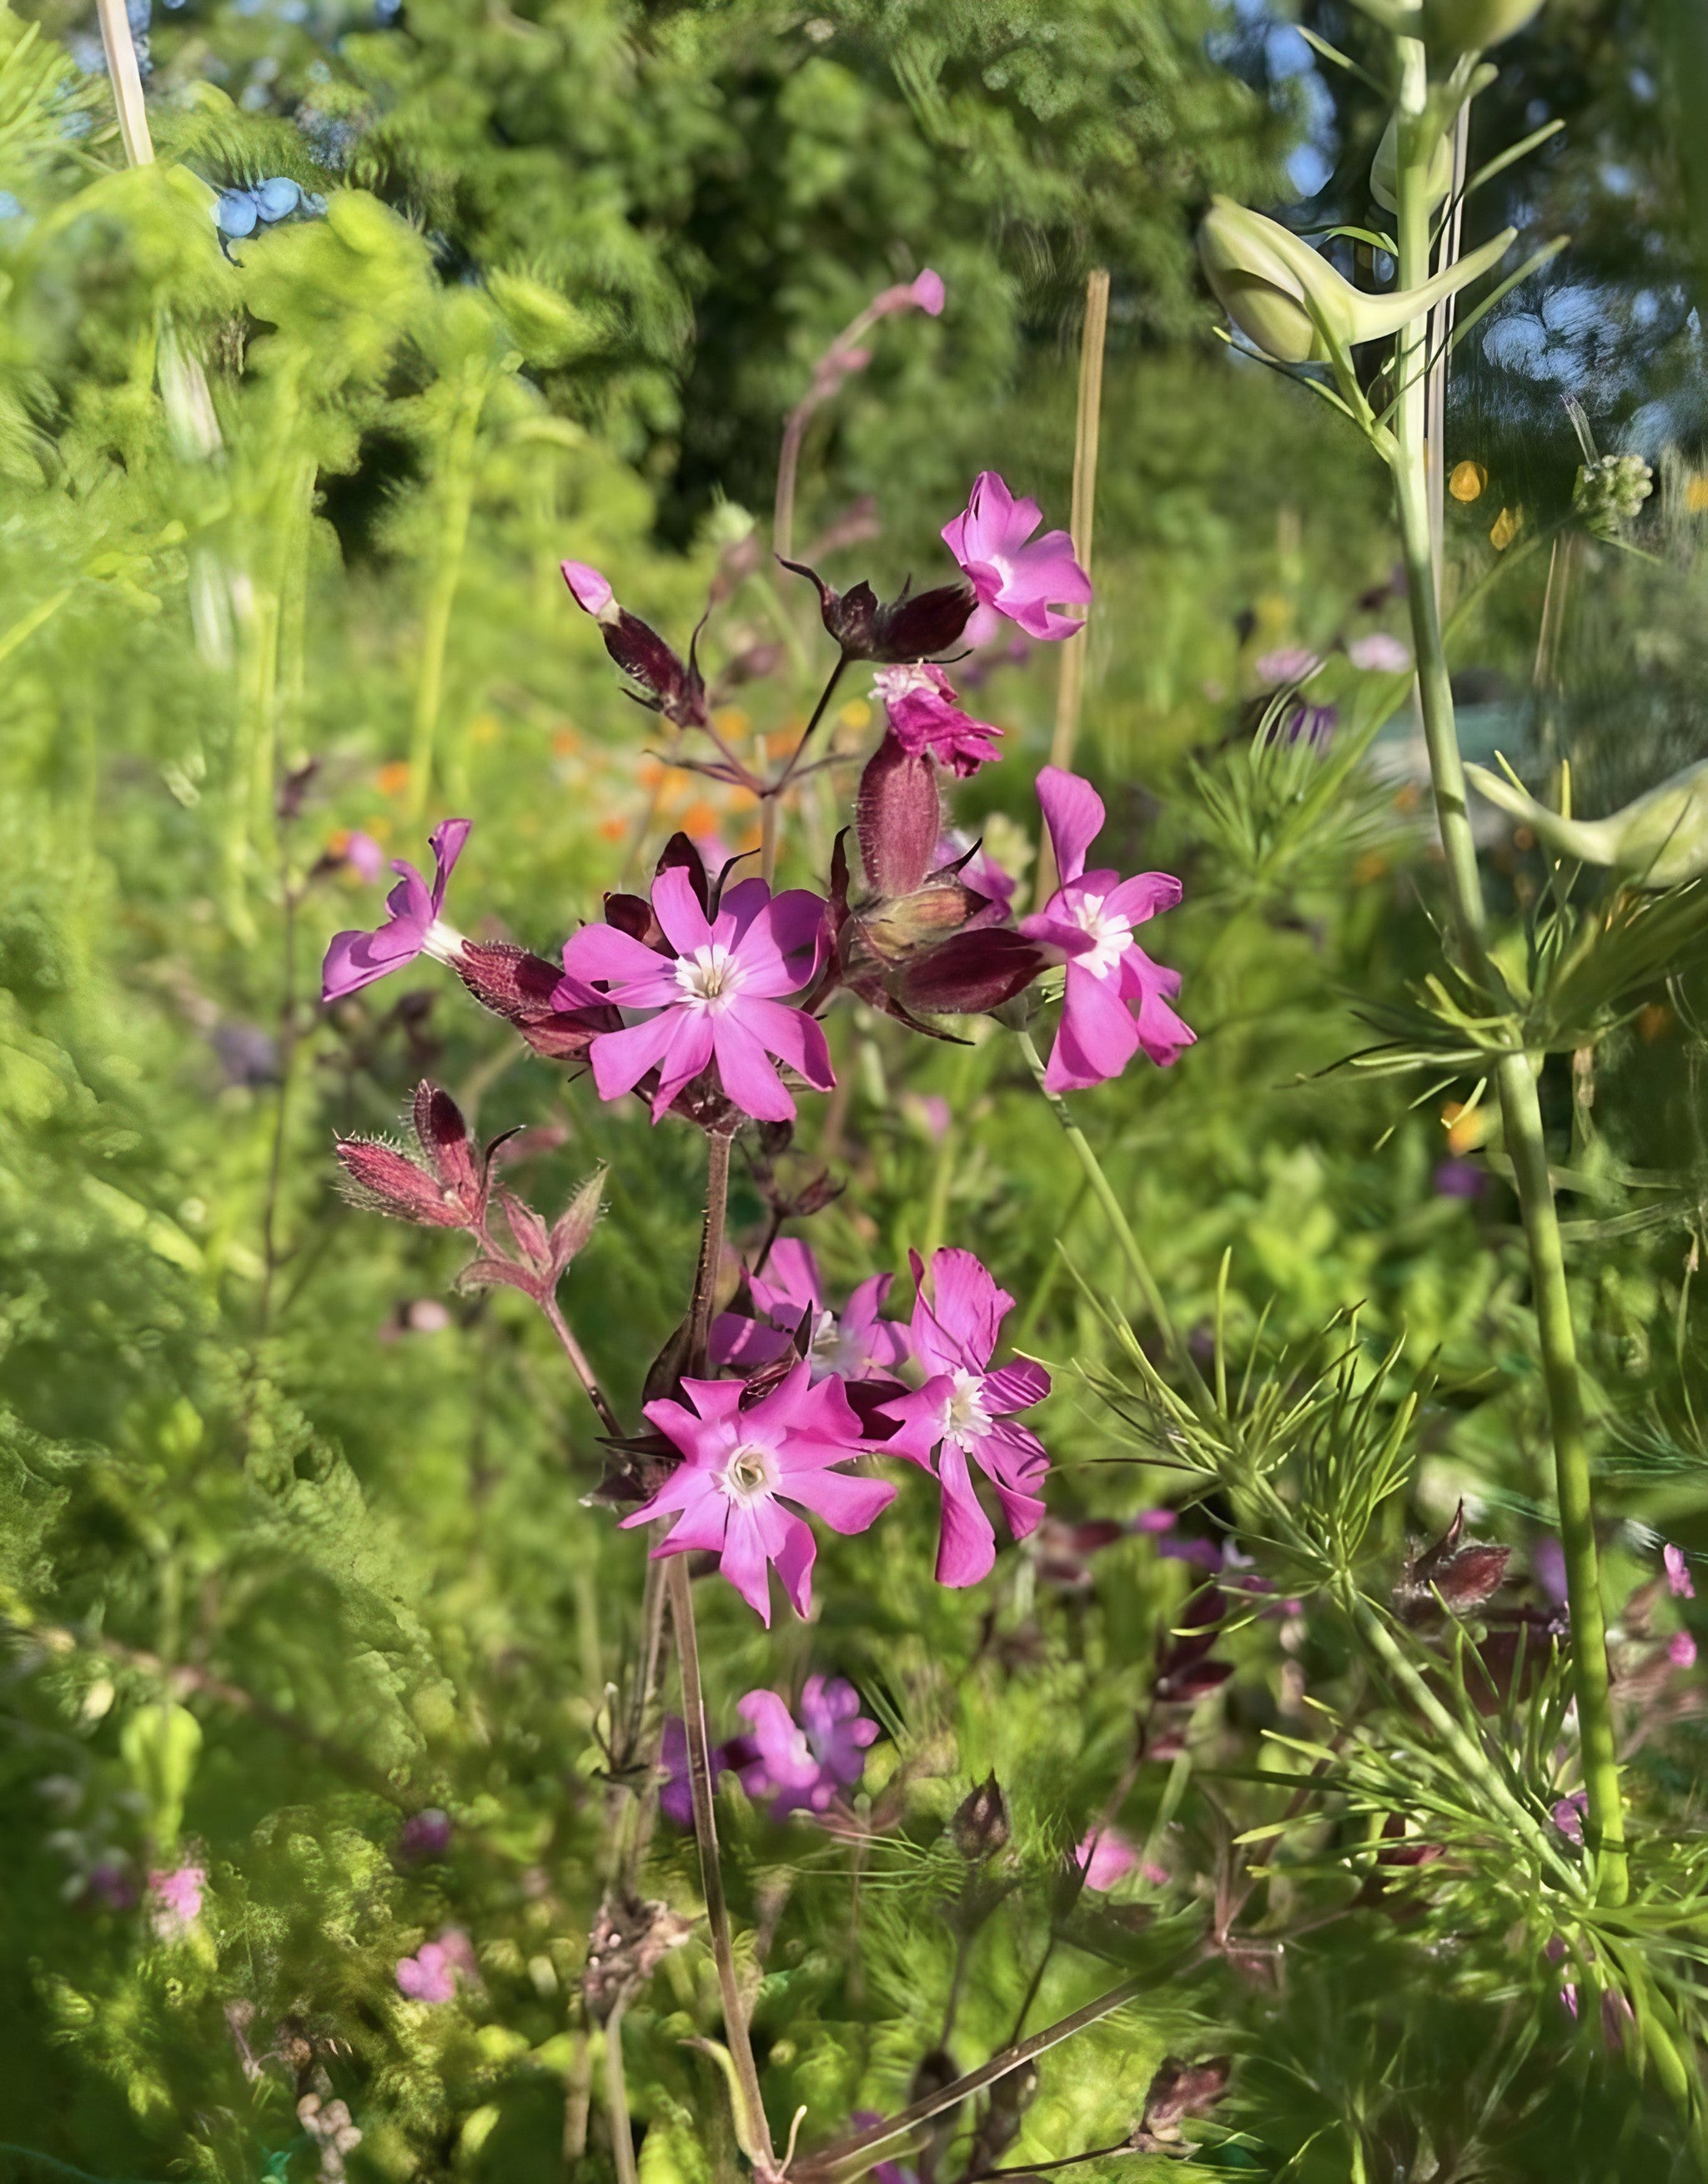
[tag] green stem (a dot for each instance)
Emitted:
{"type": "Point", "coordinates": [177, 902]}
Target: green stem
{"type": "Point", "coordinates": [1516, 1077]}
{"type": "Point", "coordinates": [457, 502]}
{"type": "Point", "coordinates": [1116, 1215]}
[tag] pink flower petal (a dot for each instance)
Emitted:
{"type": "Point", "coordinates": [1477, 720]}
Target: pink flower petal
{"type": "Point", "coordinates": [1074, 813]}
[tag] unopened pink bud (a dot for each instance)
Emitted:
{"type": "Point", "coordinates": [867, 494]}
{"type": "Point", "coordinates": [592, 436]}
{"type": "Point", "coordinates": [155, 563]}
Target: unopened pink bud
{"type": "Point", "coordinates": [591, 591]}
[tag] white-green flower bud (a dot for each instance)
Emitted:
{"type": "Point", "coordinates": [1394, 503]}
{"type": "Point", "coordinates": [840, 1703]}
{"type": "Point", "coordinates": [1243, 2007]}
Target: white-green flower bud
{"type": "Point", "coordinates": [1384, 170]}
{"type": "Point", "coordinates": [1659, 840]}
{"type": "Point", "coordinates": [1609, 491]}
{"type": "Point", "coordinates": [1290, 303]}
{"type": "Point", "coordinates": [1470, 26]}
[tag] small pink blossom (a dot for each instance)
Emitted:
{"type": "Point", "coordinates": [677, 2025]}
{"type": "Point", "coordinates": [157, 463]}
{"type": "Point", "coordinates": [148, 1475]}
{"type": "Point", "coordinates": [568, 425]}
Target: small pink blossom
{"type": "Point", "coordinates": [414, 927]}
{"type": "Point", "coordinates": [924, 293]}
{"type": "Point", "coordinates": [713, 999]}
{"type": "Point", "coordinates": [1568, 1815]}
{"type": "Point", "coordinates": [1680, 1649]}
{"type": "Point", "coordinates": [1287, 664]}
{"type": "Point", "coordinates": [805, 1765]}
{"type": "Point", "coordinates": [740, 1467]}
{"type": "Point", "coordinates": [362, 855]}
{"type": "Point", "coordinates": [1116, 1000]}
{"type": "Point", "coordinates": [175, 1897]}
{"type": "Point", "coordinates": [927, 716]}
{"type": "Point", "coordinates": [1106, 1857]}
{"type": "Point", "coordinates": [964, 1410]}
{"type": "Point", "coordinates": [1679, 1582]}
{"type": "Point", "coordinates": [432, 1973]}
{"type": "Point", "coordinates": [591, 590]}
{"type": "Point", "coordinates": [1024, 581]}
{"type": "Point", "coordinates": [1378, 654]}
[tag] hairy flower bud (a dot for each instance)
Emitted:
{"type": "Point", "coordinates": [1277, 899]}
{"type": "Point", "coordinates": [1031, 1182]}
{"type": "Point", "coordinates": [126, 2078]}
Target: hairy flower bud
{"type": "Point", "coordinates": [1289, 301]}
{"type": "Point", "coordinates": [981, 1826]}
{"type": "Point", "coordinates": [971, 973]}
{"type": "Point", "coordinates": [917, 626]}
{"type": "Point", "coordinates": [445, 1188]}
{"type": "Point", "coordinates": [899, 818]}
{"type": "Point", "coordinates": [672, 686]}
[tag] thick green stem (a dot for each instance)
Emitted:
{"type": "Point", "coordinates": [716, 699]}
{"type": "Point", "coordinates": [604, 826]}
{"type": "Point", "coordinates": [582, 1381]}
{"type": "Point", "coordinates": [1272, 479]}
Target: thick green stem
{"type": "Point", "coordinates": [1515, 1077]}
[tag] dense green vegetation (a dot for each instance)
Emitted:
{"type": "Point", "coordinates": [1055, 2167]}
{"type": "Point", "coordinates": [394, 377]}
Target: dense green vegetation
{"type": "Point", "coordinates": [307, 1575]}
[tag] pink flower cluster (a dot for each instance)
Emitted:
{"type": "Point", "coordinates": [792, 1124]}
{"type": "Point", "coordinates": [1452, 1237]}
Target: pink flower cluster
{"type": "Point", "coordinates": [750, 1449]}
{"type": "Point", "coordinates": [793, 1762]}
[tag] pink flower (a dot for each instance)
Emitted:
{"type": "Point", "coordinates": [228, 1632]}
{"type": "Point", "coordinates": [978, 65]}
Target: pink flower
{"type": "Point", "coordinates": [176, 1898]}
{"type": "Point", "coordinates": [1021, 581]}
{"type": "Point", "coordinates": [675, 1794]}
{"type": "Point", "coordinates": [1568, 1815]}
{"type": "Point", "coordinates": [924, 293]}
{"type": "Point", "coordinates": [360, 853]}
{"type": "Point", "coordinates": [1116, 999]}
{"type": "Point", "coordinates": [1288, 663]}
{"type": "Point", "coordinates": [853, 1343]}
{"type": "Point", "coordinates": [414, 927]}
{"type": "Point", "coordinates": [1378, 654]}
{"type": "Point", "coordinates": [1105, 1856]}
{"type": "Point", "coordinates": [803, 1766]}
{"type": "Point", "coordinates": [1680, 1649]}
{"type": "Point", "coordinates": [965, 1411]}
{"type": "Point", "coordinates": [432, 1974]}
{"type": "Point", "coordinates": [712, 997]}
{"type": "Point", "coordinates": [424, 1836]}
{"type": "Point", "coordinates": [591, 590]}
{"type": "Point", "coordinates": [741, 1465]}
{"type": "Point", "coordinates": [1679, 1581]}
{"type": "Point", "coordinates": [927, 716]}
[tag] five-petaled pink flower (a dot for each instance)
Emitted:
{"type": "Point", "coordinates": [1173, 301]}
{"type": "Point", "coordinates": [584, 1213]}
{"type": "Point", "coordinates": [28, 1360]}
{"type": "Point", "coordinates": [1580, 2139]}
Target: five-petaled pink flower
{"type": "Point", "coordinates": [713, 999]}
{"type": "Point", "coordinates": [853, 1342]}
{"type": "Point", "coordinates": [927, 716]}
{"type": "Point", "coordinates": [432, 1973]}
{"type": "Point", "coordinates": [742, 1465]}
{"type": "Point", "coordinates": [1022, 580]}
{"type": "Point", "coordinates": [803, 1766]}
{"type": "Point", "coordinates": [414, 927]}
{"type": "Point", "coordinates": [1104, 1856]}
{"type": "Point", "coordinates": [964, 1410]}
{"type": "Point", "coordinates": [1116, 999]}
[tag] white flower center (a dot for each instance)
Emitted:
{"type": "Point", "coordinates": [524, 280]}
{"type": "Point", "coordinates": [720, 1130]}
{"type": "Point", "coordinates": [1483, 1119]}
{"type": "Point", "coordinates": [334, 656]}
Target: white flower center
{"type": "Point", "coordinates": [710, 977]}
{"type": "Point", "coordinates": [443, 943]}
{"type": "Point", "coordinates": [749, 1476]}
{"type": "Point", "coordinates": [965, 1417]}
{"type": "Point", "coordinates": [891, 683]}
{"type": "Point", "coordinates": [1113, 935]}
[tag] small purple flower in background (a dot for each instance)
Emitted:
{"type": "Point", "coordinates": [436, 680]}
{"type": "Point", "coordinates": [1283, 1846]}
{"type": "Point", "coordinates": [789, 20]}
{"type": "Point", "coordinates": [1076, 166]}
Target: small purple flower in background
{"type": "Point", "coordinates": [432, 1973]}
{"type": "Point", "coordinates": [1379, 654]}
{"type": "Point", "coordinates": [1288, 664]}
{"type": "Point", "coordinates": [1679, 1581]}
{"type": "Point", "coordinates": [424, 1836]}
{"type": "Point", "coordinates": [1116, 1000]}
{"type": "Point", "coordinates": [804, 1765]}
{"type": "Point", "coordinates": [743, 1464]}
{"type": "Point", "coordinates": [1459, 1178]}
{"type": "Point", "coordinates": [1548, 1567]}
{"type": "Point", "coordinates": [1568, 1815]}
{"type": "Point", "coordinates": [965, 1411]}
{"type": "Point", "coordinates": [357, 852]}
{"type": "Point", "coordinates": [676, 1794]}
{"type": "Point", "coordinates": [175, 1898]}
{"type": "Point", "coordinates": [1020, 580]}
{"type": "Point", "coordinates": [1104, 1856]}
{"type": "Point", "coordinates": [853, 1343]}
{"type": "Point", "coordinates": [1680, 1649]}
{"type": "Point", "coordinates": [927, 716]}
{"type": "Point", "coordinates": [414, 927]}
{"type": "Point", "coordinates": [924, 293]}
{"type": "Point", "coordinates": [715, 999]}
{"type": "Point", "coordinates": [1174, 1545]}
{"type": "Point", "coordinates": [110, 1885]}
{"type": "Point", "coordinates": [1308, 724]}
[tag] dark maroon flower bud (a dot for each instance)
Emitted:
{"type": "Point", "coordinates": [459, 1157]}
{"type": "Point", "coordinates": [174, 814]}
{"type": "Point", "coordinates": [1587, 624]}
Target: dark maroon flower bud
{"type": "Point", "coordinates": [510, 981]}
{"type": "Point", "coordinates": [1461, 1577]}
{"type": "Point", "coordinates": [899, 818]}
{"type": "Point", "coordinates": [680, 855]}
{"type": "Point", "coordinates": [444, 1188]}
{"type": "Point", "coordinates": [1179, 2089]}
{"type": "Point", "coordinates": [424, 1836]}
{"type": "Point", "coordinates": [981, 1826]}
{"type": "Point", "coordinates": [669, 685]}
{"type": "Point", "coordinates": [443, 1137]}
{"type": "Point", "coordinates": [917, 626]}
{"type": "Point", "coordinates": [971, 973]}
